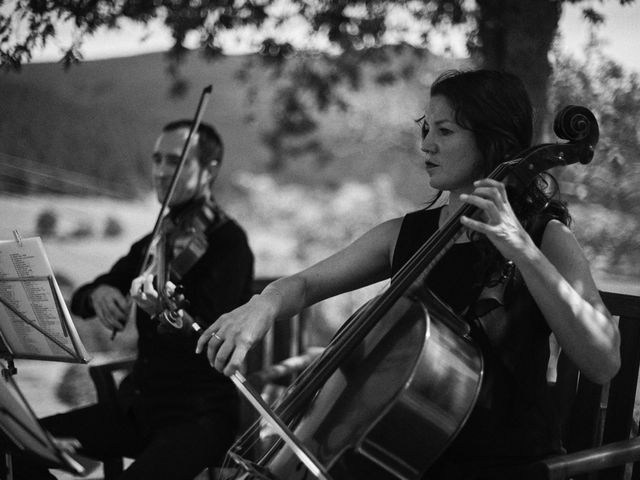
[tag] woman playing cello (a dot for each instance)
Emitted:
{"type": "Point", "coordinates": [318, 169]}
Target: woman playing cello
{"type": "Point", "coordinates": [474, 121]}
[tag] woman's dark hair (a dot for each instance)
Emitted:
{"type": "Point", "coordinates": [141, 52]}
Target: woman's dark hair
{"type": "Point", "coordinates": [495, 106]}
{"type": "Point", "coordinates": [210, 147]}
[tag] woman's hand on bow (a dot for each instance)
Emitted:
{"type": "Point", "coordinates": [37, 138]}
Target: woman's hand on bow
{"type": "Point", "coordinates": [228, 340]}
{"type": "Point", "coordinates": [498, 221]}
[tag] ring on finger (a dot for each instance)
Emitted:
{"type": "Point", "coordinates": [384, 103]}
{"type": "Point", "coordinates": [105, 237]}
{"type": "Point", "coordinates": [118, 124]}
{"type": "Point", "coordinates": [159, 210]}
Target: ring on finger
{"type": "Point", "coordinates": [216, 336]}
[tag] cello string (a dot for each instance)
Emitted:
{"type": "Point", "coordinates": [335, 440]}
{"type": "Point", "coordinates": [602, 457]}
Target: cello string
{"type": "Point", "coordinates": [249, 440]}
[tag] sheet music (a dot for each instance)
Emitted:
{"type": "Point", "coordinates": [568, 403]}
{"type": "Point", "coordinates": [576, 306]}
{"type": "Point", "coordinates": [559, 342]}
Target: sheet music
{"type": "Point", "coordinates": [34, 320]}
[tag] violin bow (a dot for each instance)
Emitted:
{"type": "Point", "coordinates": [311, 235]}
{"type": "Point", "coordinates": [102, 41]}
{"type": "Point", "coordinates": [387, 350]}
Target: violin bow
{"type": "Point", "coordinates": [197, 119]}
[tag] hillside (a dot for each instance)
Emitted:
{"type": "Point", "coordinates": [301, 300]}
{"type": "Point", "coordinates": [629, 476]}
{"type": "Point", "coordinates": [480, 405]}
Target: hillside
{"type": "Point", "coordinates": [100, 119]}
{"type": "Point", "coordinates": [90, 130]}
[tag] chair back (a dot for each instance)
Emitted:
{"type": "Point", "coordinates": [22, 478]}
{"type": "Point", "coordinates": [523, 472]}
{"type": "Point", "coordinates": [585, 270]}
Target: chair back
{"type": "Point", "coordinates": [286, 339]}
{"type": "Point", "coordinates": [600, 414]}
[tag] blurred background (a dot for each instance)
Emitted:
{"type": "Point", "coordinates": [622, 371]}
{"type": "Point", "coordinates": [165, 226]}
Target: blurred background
{"type": "Point", "coordinates": [318, 124]}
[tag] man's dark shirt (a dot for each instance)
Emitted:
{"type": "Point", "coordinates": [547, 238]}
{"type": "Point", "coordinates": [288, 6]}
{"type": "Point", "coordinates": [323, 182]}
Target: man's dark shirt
{"type": "Point", "coordinates": [169, 381]}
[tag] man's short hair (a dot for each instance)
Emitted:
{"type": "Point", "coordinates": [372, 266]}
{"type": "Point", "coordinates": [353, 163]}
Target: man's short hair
{"type": "Point", "coordinates": [210, 147]}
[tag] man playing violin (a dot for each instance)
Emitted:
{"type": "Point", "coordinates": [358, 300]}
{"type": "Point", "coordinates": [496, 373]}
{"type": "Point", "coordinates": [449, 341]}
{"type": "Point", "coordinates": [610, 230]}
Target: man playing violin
{"type": "Point", "coordinates": [174, 415]}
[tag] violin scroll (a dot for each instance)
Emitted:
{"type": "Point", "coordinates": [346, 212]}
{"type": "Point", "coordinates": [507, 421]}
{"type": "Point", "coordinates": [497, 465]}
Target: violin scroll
{"type": "Point", "coordinates": [578, 125]}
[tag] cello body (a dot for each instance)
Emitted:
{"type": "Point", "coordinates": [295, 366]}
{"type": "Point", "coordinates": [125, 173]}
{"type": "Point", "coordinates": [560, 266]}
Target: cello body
{"type": "Point", "coordinates": [414, 370]}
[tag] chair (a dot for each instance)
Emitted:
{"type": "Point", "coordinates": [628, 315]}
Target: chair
{"type": "Point", "coordinates": [600, 434]}
{"type": "Point", "coordinates": [285, 340]}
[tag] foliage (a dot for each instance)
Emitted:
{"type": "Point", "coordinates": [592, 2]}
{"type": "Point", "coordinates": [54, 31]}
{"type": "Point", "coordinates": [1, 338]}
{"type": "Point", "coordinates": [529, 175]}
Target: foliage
{"type": "Point", "coordinates": [74, 388]}
{"type": "Point", "coordinates": [342, 28]}
{"type": "Point", "coordinates": [340, 37]}
{"type": "Point", "coordinates": [81, 230]}
{"type": "Point", "coordinates": [308, 88]}
{"type": "Point", "coordinates": [337, 38]}
{"type": "Point", "coordinates": [345, 25]}
{"type": "Point", "coordinates": [54, 141]}
{"type": "Point", "coordinates": [47, 223]}
{"type": "Point", "coordinates": [292, 226]}
{"type": "Point", "coordinates": [614, 96]}
{"type": "Point", "coordinates": [318, 220]}
{"type": "Point", "coordinates": [112, 227]}
{"type": "Point", "coordinates": [78, 152]}
{"type": "Point", "coordinates": [611, 179]}
{"type": "Point", "coordinates": [609, 238]}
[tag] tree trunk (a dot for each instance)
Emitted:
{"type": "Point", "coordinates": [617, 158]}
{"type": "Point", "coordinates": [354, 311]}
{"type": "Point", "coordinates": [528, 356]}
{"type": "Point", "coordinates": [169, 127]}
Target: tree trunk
{"type": "Point", "coordinates": [516, 36]}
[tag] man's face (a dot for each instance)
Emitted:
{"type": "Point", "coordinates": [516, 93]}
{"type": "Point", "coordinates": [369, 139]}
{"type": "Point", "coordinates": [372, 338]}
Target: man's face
{"type": "Point", "coordinates": [166, 156]}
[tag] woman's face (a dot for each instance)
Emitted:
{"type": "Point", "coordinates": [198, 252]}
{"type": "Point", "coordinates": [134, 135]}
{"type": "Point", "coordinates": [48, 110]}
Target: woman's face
{"type": "Point", "coordinates": [453, 159]}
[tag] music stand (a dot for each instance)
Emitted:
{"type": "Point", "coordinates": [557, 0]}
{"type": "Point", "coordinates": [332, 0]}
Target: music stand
{"type": "Point", "coordinates": [34, 320]}
{"type": "Point", "coordinates": [22, 428]}
{"type": "Point", "coordinates": [34, 324]}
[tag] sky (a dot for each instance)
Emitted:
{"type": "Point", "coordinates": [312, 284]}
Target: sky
{"type": "Point", "coordinates": [619, 33]}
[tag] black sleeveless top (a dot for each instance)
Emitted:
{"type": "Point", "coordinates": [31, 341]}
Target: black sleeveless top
{"type": "Point", "coordinates": [514, 419]}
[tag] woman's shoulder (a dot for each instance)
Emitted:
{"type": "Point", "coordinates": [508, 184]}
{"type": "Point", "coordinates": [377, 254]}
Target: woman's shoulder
{"type": "Point", "coordinates": [555, 214]}
{"type": "Point", "coordinates": [557, 235]}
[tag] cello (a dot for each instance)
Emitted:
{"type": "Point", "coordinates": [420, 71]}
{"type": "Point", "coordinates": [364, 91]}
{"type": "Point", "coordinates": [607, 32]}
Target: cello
{"type": "Point", "coordinates": [405, 358]}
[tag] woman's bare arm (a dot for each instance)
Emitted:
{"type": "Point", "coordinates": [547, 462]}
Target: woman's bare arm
{"type": "Point", "coordinates": [367, 260]}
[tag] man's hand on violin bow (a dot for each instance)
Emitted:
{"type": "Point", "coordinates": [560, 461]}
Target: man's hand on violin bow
{"type": "Point", "coordinates": [228, 340]}
{"type": "Point", "coordinates": [145, 295]}
{"type": "Point", "coordinates": [111, 307]}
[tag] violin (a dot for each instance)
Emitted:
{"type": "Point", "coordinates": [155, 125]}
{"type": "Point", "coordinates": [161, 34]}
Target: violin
{"type": "Point", "coordinates": [405, 358]}
{"type": "Point", "coordinates": [184, 239]}
{"type": "Point", "coordinates": [187, 234]}
{"type": "Point", "coordinates": [153, 262]}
